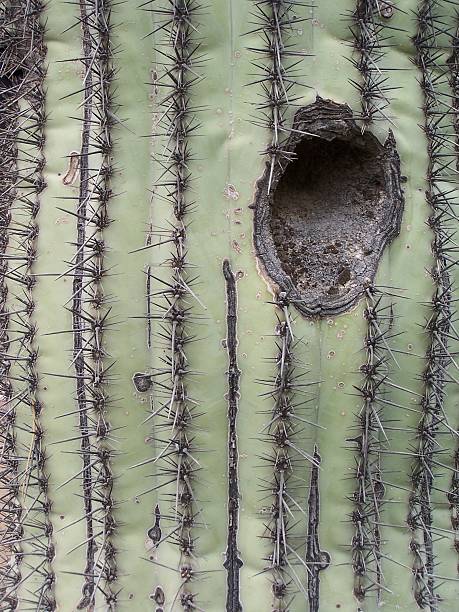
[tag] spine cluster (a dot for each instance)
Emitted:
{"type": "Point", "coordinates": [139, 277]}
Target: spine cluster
{"type": "Point", "coordinates": [90, 306]}
{"type": "Point", "coordinates": [369, 30]}
{"type": "Point", "coordinates": [26, 546]}
{"type": "Point", "coordinates": [439, 328]}
{"type": "Point", "coordinates": [369, 442]}
{"type": "Point", "coordinates": [171, 305]}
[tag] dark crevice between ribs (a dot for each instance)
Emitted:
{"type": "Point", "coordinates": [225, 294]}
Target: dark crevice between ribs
{"type": "Point", "coordinates": [232, 563]}
{"type": "Point", "coordinates": [316, 559]}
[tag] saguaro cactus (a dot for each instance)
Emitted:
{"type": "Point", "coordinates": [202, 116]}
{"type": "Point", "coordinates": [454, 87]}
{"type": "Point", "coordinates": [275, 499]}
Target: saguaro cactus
{"type": "Point", "coordinates": [228, 367]}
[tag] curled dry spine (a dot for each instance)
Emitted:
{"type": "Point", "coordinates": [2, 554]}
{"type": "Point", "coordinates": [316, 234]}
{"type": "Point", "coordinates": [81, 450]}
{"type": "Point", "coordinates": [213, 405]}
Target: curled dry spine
{"type": "Point", "coordinates": [370, 440]}
{"type": "Point", "coordinates": [171, 304]}
{"type": "Point", "coordinates": [90, 307]}
{"type": "Point", "coordinates": [439, 119]}
{"type": "Point", "coordinates": [369, 29]}
{"type": "Point", "coordinates": [27, 549]}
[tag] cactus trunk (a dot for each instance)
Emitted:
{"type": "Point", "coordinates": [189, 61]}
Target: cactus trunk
{"type": "Point", "coordinates": [228, 368]}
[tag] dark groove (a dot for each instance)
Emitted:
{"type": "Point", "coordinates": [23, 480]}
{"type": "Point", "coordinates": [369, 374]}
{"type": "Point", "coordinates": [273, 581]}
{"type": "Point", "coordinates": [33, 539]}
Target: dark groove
{"type": "Point", "coordinates": [148, 298]}
{"type": "Point", "coordinates": [232, 563]}
{"type": "Point", "coordinates": [316, 559]}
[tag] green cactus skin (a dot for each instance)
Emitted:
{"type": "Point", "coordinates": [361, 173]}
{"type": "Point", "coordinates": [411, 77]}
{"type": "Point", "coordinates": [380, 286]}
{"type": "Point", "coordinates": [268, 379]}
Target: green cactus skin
{"type": "Point", "coordinates": [175, 435]}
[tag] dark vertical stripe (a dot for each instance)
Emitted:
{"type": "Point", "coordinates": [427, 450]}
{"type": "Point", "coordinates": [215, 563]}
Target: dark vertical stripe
{"type": "Point", "coordinates": [316, 559]}
{"type": "Point", "coordinates": [232, 562]}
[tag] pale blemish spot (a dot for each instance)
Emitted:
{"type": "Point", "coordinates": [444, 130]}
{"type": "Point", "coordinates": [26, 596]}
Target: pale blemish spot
{"type": "Point", "coordinates": [62, 221]}
{"type": "Point", "coordinates": [230, 192]}
{"type": "Point", "coordinates": [236, 246]}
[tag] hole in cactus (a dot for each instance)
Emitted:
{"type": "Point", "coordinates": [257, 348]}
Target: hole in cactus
{"type": "Point", "coordinates": [332, 208]}
{"type": "Point", "coordinates": [142, 382]}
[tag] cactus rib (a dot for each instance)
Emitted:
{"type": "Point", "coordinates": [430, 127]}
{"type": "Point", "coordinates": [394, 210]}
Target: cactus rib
{"type": "Point", "coordinates": [274, 21]}
{"type": "Point", "coordinates": [30, 577]}
{"type": "Point", "coordinates": [368, 497]}
{"type": "Point", "coordinates": [90, 306]}
{"type": "Point", "coordinates": [10, 505]}
{"type": "Point", "coordinates": [171, 303]}
{"type": "Point", "coordinates": [284, 459]}
{"type": "Point", "coordinates": [438, 327]}
{"type": "Point", "coordinates": [369, 37]}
